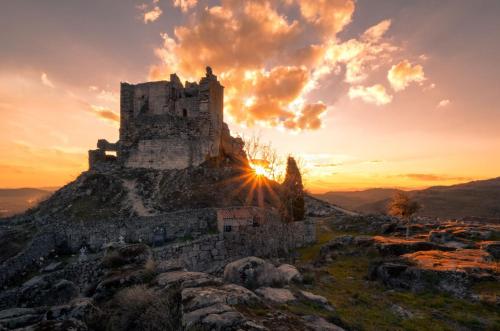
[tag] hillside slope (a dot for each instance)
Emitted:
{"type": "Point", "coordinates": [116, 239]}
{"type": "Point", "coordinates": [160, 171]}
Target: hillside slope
{"type": "Point", "coordinates": [144, 192]}
{"type": "Point", "coordinates": [477, 198]}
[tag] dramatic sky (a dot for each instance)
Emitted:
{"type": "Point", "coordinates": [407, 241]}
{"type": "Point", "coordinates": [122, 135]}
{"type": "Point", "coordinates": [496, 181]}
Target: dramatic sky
{"type": "Point", "coordinates": [368, 93]}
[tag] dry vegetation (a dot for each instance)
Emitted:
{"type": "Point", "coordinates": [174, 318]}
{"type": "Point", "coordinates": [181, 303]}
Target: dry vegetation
{"type": "Point", "coordinates": [140, 308]}
{"type": "Point", "coordinates": [367, 305]}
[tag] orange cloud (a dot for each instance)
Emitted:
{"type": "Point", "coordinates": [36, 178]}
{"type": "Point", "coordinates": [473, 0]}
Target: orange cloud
{"type": "Point", "coordinates": [150, 15]}
{"type": "Point", "coordinates": [185, 5]}
{"type": "Point", "coordinates": [377, 31]}
{"type": "Point", "coordinates": [435, 178]}
{"type": "Point", "coordinates": [375, 94]}
{"type": "Point", "coordinates": [309, 118]}
{"type": "Point", "coordinates": [329, 16]}
{"type": "Point", "coordinates": [264, 96]}
{"type": "Point", "coordinates": [444, 103]}
{"type": "Point", "coordinates": [270, 63]}
{"type": "Point", "coordinates": [46, 81]}
{"type": "Point", "coordinates": [105, 113]}
{"type": "Point", "coordinates": [403, 73]}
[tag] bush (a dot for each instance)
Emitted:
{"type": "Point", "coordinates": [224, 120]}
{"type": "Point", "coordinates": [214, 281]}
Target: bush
{"type": "Point", "coordinates": [142, 308]}
{"type": "Point", "coordinates": [137, 254]}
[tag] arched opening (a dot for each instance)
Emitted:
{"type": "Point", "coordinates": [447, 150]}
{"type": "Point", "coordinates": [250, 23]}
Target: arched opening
{"type": "Point", "coordinates": [184, 112]}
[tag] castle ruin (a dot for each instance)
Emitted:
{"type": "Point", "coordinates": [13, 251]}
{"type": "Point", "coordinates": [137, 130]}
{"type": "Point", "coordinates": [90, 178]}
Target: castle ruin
{"type": "Point", "coordinates": [168, 125]}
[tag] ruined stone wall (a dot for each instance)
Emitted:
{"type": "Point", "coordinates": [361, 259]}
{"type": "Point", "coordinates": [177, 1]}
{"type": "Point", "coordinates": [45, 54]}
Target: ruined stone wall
{"type": "Point", "coordinates": [151, 230]}
{"type": "Point", "coordinates": [189, 237]}
{"type": "Point", "coordinates": [212, 252]}
{"type": "Point", "coordinates": [165, 125]}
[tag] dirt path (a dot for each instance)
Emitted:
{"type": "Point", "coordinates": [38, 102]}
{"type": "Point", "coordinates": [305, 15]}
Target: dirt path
{"type": "Point", "coordinates": [135, 199]}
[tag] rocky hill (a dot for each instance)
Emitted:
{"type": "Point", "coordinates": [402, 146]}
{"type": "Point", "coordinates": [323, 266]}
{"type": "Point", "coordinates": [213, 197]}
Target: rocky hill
{"type": "Point", "coordinates": [474, 199]}
{"type": "Point", "coordinates": [125, 192]}
{"type": "Point", "coordinates": [136, 249]}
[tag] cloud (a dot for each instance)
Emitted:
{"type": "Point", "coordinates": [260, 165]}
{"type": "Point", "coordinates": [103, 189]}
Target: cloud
{"type": "Point", "coordinates": [270, 62]}
{"type": "Point", "coordinates": [105, 95]}
{"type": "Point", "coordinates": [46, 81]}
{"type": "Point", "coordinates": [150, 13]}
{"type": "Point", "coordinates": [434, 177]}
{"type": "Point", "coordinates": [375, 94]}
{"type": "Point", "coordinates": [402, 74]}
{"type": "Point", "coordinates": [309, 117]}
{"type": "Point", "coordinates": [328, 16]}
{"type": "Point", "coordinates": [326, 165]}
{"type": "Point", "coordinates": [443, 103]}
{"type": "Point", "coordinates": [105, 113]}
{"type": "Point", "coordinates": [108, 96]}
{"type": "Point", "coordinates": [185, 5]}
{"type": "Point", "coordinates": [377, 31]}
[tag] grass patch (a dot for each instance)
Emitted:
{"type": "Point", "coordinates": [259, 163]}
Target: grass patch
{"type": "Point", "coordinates": [367, 305]}
{"type": "Point", "coordinates": [325, 231]}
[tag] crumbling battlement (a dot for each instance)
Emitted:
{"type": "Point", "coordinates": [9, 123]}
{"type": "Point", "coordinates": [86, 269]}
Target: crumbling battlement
{"type": "Point", "coordinates": [168, 125]}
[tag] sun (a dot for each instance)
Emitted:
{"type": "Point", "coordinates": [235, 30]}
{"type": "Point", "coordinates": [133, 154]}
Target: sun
{"type": "Point", "coordinates": [259, 170]}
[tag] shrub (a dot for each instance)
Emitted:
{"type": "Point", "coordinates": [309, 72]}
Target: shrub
{"type": "Point", "coordinates": [292, 207]}
{"type": "Point", "coordinates": [142, 308]}
{"type": "Point", "coordinates": [137, 254]}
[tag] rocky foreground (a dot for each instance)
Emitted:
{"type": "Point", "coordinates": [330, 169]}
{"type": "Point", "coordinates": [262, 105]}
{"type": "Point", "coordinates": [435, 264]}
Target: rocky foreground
{"type": "Point", "coordinates": [131, 291]}
{"type": "Point", "coordinates": [363, 274]}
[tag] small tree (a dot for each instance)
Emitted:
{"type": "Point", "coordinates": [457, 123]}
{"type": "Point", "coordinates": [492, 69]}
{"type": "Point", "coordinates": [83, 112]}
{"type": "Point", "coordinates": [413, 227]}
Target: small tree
{"type": "Point", "coordinates": [402, 206]}
{"type": "Point", "coordinates": [264, 153]}
{"type": "Point", "coordinates": [292, 207]}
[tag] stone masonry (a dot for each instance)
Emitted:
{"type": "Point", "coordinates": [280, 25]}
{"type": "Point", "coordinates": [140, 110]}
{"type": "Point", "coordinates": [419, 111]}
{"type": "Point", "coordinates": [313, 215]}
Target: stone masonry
{"type": "Point", "coordinates": [168, 125]}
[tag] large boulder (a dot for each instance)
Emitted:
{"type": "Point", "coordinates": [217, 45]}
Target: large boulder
{"type": "Point", "coordinates": [209, 306]}
{"type": "Point", "coordinates": [316, 299]}
{"type": "Point", "coordinates": [215, 317]}
{"type": "Point", "coordinates": [398, 246]}
{"type": "Point", "coordinates": [43, 291]}
{"type": "Point", "coordinates": [252, 272]}
{"type": "Point", "coordinates": [451, 272]}
{"type": "Point", "coordinates": [276, 295]}
{"type": "Point", "coordinates": [185, 279]}
{"type": "Point", "coordinates": [231, 294]}
{"type": "Point", "coordinates": [317, 323]}
{"type": "Point", "coordinates": [289, 273]}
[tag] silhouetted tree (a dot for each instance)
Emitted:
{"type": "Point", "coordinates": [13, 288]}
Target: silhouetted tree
{"type": "Point", "coordinates": [402, 206]}
{"type": "Point", "coordinates": [292, 196]}
{"type": "Point", "coordinates": [259, 152]}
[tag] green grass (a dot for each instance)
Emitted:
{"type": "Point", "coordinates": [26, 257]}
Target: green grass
{"type": "Point", "coordinates": [368, 305]}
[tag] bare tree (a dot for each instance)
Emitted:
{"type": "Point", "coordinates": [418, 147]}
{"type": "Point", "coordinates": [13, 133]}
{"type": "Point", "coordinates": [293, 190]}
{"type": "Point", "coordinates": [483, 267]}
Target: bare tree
{"type": "Point", "coordinates": [402, 206]}
{"type": "Point", "coordinates": [265, 155]}
{"type": "Point", "coordinates": [252, 146]}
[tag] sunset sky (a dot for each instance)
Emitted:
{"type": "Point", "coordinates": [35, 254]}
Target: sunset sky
{"type": "Point", "coordinates": [368, 93]}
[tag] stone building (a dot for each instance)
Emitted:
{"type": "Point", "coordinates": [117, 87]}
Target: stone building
{"type": "Point", "coordinates": [168, 125]}
{"type": "Point", "coordinates": [233, 219]}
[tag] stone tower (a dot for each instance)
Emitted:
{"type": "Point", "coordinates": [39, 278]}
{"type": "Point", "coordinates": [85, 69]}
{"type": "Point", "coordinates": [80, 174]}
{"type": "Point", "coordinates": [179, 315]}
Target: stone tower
{"type": "Point", "coordinates": [165, 125]}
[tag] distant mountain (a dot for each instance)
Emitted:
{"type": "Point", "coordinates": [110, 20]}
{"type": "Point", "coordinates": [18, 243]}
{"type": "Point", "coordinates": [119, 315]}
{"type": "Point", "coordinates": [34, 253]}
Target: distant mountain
{"type": "Point", "coordinates": [15, 201]}
{"type": "Point", "coordinates": [478, 198]}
